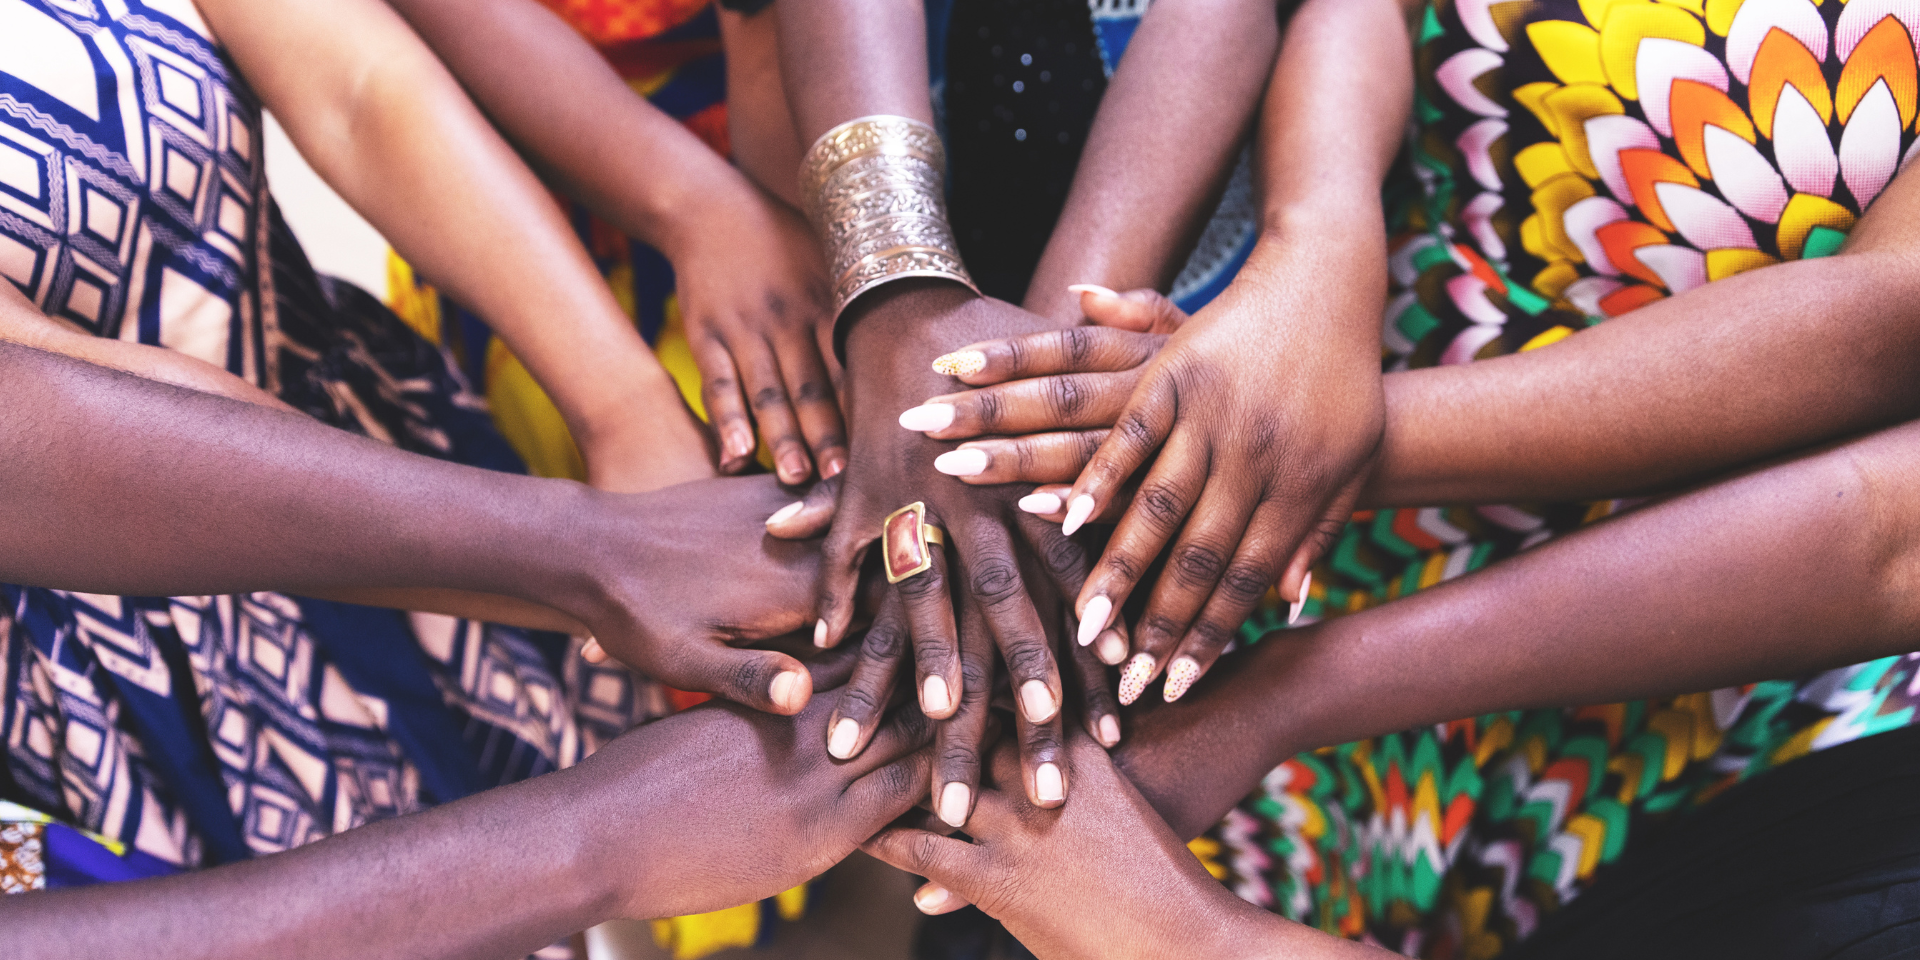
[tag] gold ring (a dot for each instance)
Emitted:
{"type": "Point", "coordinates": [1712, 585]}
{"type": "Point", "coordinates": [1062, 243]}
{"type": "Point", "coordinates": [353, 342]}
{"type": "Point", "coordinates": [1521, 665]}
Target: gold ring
{"type": "Point", "coordinates": [904, 537]}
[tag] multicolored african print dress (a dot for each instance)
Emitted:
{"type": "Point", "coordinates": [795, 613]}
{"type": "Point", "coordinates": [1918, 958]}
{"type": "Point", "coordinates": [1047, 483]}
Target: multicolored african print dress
{"type": "Point", "coordinates": [154, 734]}
{"type": "Point", "coordinates": [1572, 161]}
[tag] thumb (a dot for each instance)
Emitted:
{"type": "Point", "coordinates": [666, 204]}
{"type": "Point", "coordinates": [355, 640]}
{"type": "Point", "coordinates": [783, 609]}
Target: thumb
{"type": "Point", "coordinates": [1142, 311]}
{"type": "Point", "coordinates": [810, 516]}
{"type": "Point", "coordinates": [762, 679]}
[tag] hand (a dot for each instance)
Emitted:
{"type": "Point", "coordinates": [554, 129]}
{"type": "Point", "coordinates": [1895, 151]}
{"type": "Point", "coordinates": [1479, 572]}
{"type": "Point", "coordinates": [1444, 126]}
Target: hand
{"type": "Point", "coordinates": [754, 295]}
{"type": "Point", "coordinates": [653, 444]}
{"type": "Point", "coordinates": [1262, 429]}
{"type": "Point", "coordinates": [679, 575]}
{"type": "Point", "coordinates": [718, 806]}
{"type": "Point", "coordinates": [997, 553]}
{"type": "Point", "coordinates": [1101, 877]}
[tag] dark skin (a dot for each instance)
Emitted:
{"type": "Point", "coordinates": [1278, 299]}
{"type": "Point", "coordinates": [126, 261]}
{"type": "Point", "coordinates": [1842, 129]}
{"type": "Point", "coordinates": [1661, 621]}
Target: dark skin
{"type": "Point", "coordinates": [1706, 590]}
{"type": "Point", "coordinates": [748, 271]}
{"type": "Point", "coordinates": [718, 806]}
{"type": "Point", "coordinates": [1186, 54]}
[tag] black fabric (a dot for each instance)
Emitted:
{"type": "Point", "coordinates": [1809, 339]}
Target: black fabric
{"type": "Point", "coordinates": [748, 7]}
{"type": "Point", "coordinates": [1820, 858]}
{"type": "Point", "coordinates": [1023, 81]}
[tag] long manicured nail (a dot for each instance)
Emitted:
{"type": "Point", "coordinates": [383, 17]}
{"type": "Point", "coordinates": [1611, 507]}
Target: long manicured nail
{"type": "Point", "coordinates": [1040, 503]}
{"type": "Point", "coordinates": [1111, 649]}
{"type": "Point", "coordinates": [1099, 611]}
{"type": "Point", "coordinates": [930, 898]}
{"type": "Point", "coordinates": [1293, 612]}
{"type": "Point", "coordinates": [1133, 680]}
{"type": "Point", "coordinates": [1077, 513]}
{"type": "Point", "coordinates": [786, 690]}
{"type": "Point", "coordinates": [934, 697]}
{"type": "Point", "coordinates": [1037, 702]}
{"type": "Point", "coordinates": [928, 417]}
{"type": "Point", "coordinates": [967, 462]}
{"type": "Point", "coordinates": [1093, 288]}
{"type": "Point", "coordinates": [1180, 675]}
{"type": "Point", "coordinates": [1047, 785]}
{"type": "Point", "coordinates": [820, 633]}
{"type": "Point", "coordinates": [961, 363]}
{"type": "Point", "coordinates": [785, 513]}
{"type": "Point", "coordinates": [846, 734]}
{"type": "Point", "coordinates": [1109, 730]}
{"type": "Point", "coordinates": [954, 800]}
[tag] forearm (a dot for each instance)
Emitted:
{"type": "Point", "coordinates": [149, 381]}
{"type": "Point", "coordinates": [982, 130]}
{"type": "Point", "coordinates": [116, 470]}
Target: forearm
{"type": "Point", "coordinates": [572, 116]}
{"type": "Point", "coordinates": [1745, 368]}
{"type": "Point", "coordinates": [451, 882]}
{"type": "Point", "coordinates": [1707, 590]}
{"type": "Point", "coordinates": [121, 485]}
{"type": "Point", "coordinates": [843, 59]}
{"type": "Point", "coordinates": [1162, 145]}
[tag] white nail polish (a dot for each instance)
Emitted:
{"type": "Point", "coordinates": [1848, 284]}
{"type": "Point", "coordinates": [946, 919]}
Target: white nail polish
{"type": "Point", "coordinates": [965, 462]}
{"type": "Point", "coordinates": [1037, 702]}
{"type": "Point", "coordinates": [846, 734]}
{"type": "Point", "coordinates": [1109, 730]}
{"type": "Point", "coordinates": [820, 633]}
{"type": "Point", "coordinates": [785, 513]}
{"type": "Point", "coordinates": [1133, 680]}
{"type": "Point", "coordinates": [1040, 503]}
{"type": "Point", "coordinates": [1099, 611]}
{"type": "Point", "coordinates": [1180, 676]}
{"type": "Point", "coordinates": [954, 799]}
{"type": "Point", "coordinates": [928, 416]}
{"type": "Point", "coordinates": [1077, 513]}
{"type": "Point", "coordinates": [931, 897]}
{"type": "Point", "coordinates": [1093, 288]}
{"type": "Point", "coordinates": [934, 697]}
{"type": "Point", "coordinates": [1047, 784]}
{"type": "Point", "coordinates": [1293, 612]}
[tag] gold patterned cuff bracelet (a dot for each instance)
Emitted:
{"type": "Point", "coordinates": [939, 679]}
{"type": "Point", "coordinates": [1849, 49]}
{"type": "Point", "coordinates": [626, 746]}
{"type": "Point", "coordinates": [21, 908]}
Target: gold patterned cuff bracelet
{"type": "Point", "coordinates": [874, 188]}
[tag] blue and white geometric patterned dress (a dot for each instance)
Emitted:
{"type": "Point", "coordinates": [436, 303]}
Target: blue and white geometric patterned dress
{"type": "Point", "coordinates": [202, 730]}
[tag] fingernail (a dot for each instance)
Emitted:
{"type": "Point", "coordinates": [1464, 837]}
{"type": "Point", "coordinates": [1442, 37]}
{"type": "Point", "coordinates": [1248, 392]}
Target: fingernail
{"type": "Point", "coordinates": [785, 513]}
{"type": "Point", "coordinates": [820, 633]}
{"type": "Point", "coordinates": [1112, 648]}
{"type": "Point", "coordinates": [846, 733]}
{"type": "Point", "coordinates": [927, 417]}
{"type": "Point", "coordinates": [931, 897]}
{"type": "Point", "coordinates": [954, 798]}
{"type": "Point", "coordinates": [934, 697]}
{"type": "Point", "coordinates": [1134, 679]}
{"type": "Point", "coordinates": [793, 469]}
{"type": "Point", "coordinates": [970, 462]}
{"type": "Point", "coordinates": [1293, 612]}
{"type": "Point", "coordinates": [961, 363]}
{"type": "Point", "coordinates": [1093, 288]}
{"type": "Point", "coordinates": [1109, 730]}
{"type": "Point", "coordinates": [1099, 611]}
{"type": "Point", "coordinates": [1180, 676]}
{"type": "Point", "coordinates": [1037, 702]}
{"type": "Point", "coordinates": [786, 691]}
{"type": "Point", "coordinates": [1040, 503]}
{"type": "Point", "coordinates": [592, 652]}
{"type": "Point", "coordinates": [1047, 785]}
{"type": "Point", "coordinates": [1077, 514]}
{"type": "Point", "coordinates": [833, 467]}
{"type": "Point", "coordinates": [739, 444]}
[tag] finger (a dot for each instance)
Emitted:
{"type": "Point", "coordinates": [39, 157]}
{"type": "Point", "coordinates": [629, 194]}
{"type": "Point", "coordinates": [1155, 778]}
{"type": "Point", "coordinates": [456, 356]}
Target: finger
{"type": "Point", "coordinates": [1043, 759]}
{"type": "Point", "coordinates": [1145, 311]}
{"type": "Point", "coordinates": [1038, 458]}
{"type": "Point", "coordinates": [814, 402]}
{"type": "Point", "coordinates": [831, 669]}
{"type": "Point", "coordinates": [1158, 512]}
{"type": "Point", "coordinates": [864, 699]}
{"type": "Point", "coordinates": [592, 652]}
{"type": "Point", "coordinates": [927, 603]}
{"type": "Point", "coordinates": [767, 392]}
{"type": "Point", "coordinates": [957, 744]}
{"type": "Point", "coordinates": [726, 407]}
{"type": "Point", "coordinates": [1272, 532]}
{"type": "Point", "coordinates": [1069, 350]}
{"type": "Point", "coordinates": [839, 586]}
{"type": "Point", "coordinates": [1211, 539]}
{"type": "Point", "coordinates": [933, 900]}
{"type": "Point", "coordinates": [1070, 401]}
{"type": "Point", "coordinates": [1099, 712]}
{"type": "Point", "coordinates": [761, 679]}
{"type": "Point", "coordinates": [1049, 502]}
{"type": "Point", "coordinates": [1136, 436]}
{"type": "Point", "coordinates": [993, 580]}
{"type": "Point", "coordinates": [1297, 580]}
{"type": "Point", "coordinates": [954, 864]}
{"type": "Point", "coordinates": [809, 516]}
{"type": "Point", "coordinates": [903, 733]}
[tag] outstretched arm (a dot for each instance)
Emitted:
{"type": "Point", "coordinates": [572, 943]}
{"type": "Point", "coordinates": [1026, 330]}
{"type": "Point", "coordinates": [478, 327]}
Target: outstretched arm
{"type": "Point", "coordinates": [385, 124]}
{"type": "Point", "coordinates": [1706, 590]}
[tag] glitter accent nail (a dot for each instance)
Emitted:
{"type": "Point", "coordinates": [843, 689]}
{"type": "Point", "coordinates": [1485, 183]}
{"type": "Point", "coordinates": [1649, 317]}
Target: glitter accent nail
{"type": "Point", "coordinates": [961, 363]}
{"type": "Point", "coordinates": [1180, 676]}
{"type": "Point", "coordinates": [1133, 681]}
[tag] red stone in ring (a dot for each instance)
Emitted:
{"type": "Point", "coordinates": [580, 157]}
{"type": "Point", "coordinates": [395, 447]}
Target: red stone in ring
{"type": "Point", "coordinates": [903, 542]}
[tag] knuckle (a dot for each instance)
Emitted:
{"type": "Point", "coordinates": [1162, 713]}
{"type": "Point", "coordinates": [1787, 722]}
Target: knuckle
{"type": "Point", "coordinates": [1134, 431]}
{"type": "Point", "coordinates": [976, 680]}
{"type": "Point", "coordinates": [958, 760]}
{"type": "Point", "coordinates": [813, 392]}
{"type": "Point", "coordinates": [1212, 634]}
{"type": "Point", "coordinates": [1077, 344]}
{"type": "Point", "coordinates": [1122, 567]}
{"type": "Point", "coordinates": [1064, 557]}
{"type": "Point", "coordinates": [996, 581]}
{"type": "Point", "coordinates": [1161, 506]}
{"type": "Point", "coordinates": [1159, 625]}
{"type": "Point", "coordinates": [1198, 563]}
{"type": "Point", "coordinates": [1066, 397]}
{"type": "Point", "coordinates": [744, 678]}
{"type": "Point", "coordinates": [1244, 583]}
{"type": "Point", "coordinates": [1027, 658]}
{"type": "Point", "coordinates": [766, 397]}
{"type": "Point", "coordinates": [857, 703]}
{"type": "Point", "coordinates": [923, 585]}
{"type": "Point", "coordinates": [930, 657]}
{"type": "Point", "coordinates": [884, 643]}
{"type": "Point", "coordinates": [897, 780]}
{"type": "Point", "coordinates": [990, 407]}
